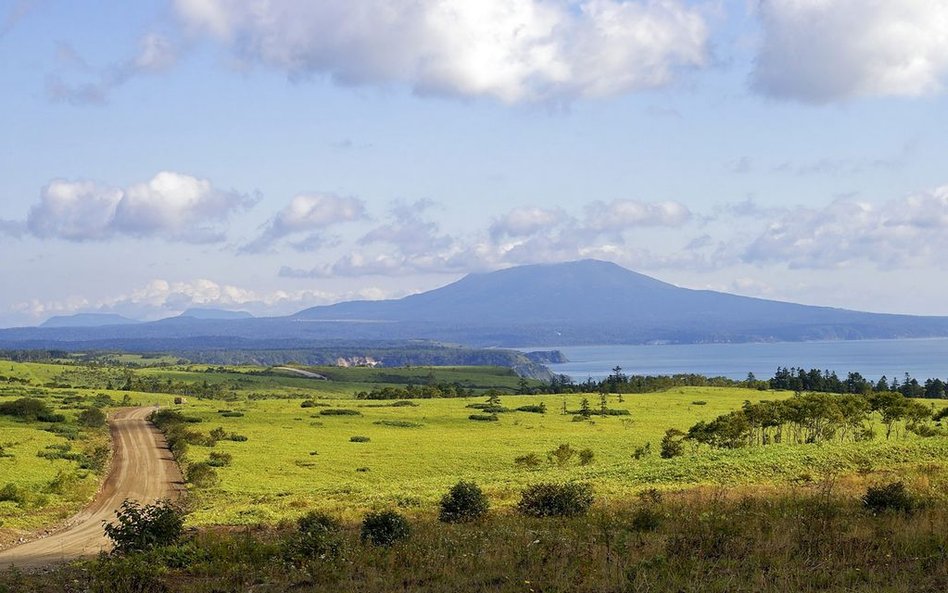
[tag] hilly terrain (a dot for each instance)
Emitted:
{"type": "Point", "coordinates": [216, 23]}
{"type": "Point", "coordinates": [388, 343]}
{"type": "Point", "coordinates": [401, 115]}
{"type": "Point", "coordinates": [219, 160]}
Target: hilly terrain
{"type": "Point", "coordinates": [582, 302]}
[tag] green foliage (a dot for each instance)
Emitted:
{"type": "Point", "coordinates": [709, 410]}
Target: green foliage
{"type": "Point", "coordinates": [534, 409]}
{"type": "Point", "coordinates": [671, 444]}
{"type": "Point", "coordinates": [642, 452]}
{"type": "Point", "coordinates": [220, 459]}
{"type": "Point", "coordinates": [384, 528]}
{"type": "Point", "coordinates": [133, 573]}
{"type": "Point", "coordinates": [586, 456]}
{"type": "Point", "coordinates": [484, 417]}
{"type": "Point", "coordinates": [202, 475]}
{"type": "Point", "coordinates": [465, 502]}
{"type": "Point", "coordinates": [359, 439]}
{"type": "Point", "coordinates": [339, 412]}
{"type": "Point", "coordinates": [556, 500]}
{"type": "Point", "coordinates": [10, 492]}
{"type": "Point", "coordinates": [529, 461]}
{"type": "Point", "coordinates": [30, 409]}
{"type": "Point", "coordinates": [91, 418]}
{"type": "Point", "coordinates": [144, 527]}
{"type": "Point", "coordinates": [561, 455]}
{"type": "Point", "coordinates": [398, 423]}
{"type": "Point", "coordinates": [888, 497]}
{"type": "Point", "coordinates": [318, 535]}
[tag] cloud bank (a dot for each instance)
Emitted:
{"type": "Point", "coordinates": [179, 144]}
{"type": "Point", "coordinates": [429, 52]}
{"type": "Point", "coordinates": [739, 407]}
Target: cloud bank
{"type": "Point", "coordinates": [819, 51]}
{"type": "Point", "coordinates": [171, 206]}
{"type": "Point", "coordinates": [510, 50]}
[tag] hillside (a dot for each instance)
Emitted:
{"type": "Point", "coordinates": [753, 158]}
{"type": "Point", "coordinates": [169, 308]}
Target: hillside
{"type": "Point", "coordinates": [583, 302]}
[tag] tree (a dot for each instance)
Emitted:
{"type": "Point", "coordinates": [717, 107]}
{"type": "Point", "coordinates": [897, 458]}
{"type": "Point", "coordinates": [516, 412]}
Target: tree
{"type": "Point", "coordinates": [91, 417]}
{"type": "Point", "coordinates": [465, 502]}
{"type": "Point", "coordinates": [584, 409]}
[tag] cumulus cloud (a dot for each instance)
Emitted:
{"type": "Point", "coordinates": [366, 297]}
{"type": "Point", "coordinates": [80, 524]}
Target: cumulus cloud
{"type": "Point", "coordinates": [522, 222]}
{"type": "Point", "coordinates": [308, 213]}
{"type": "Point", "coordinates": [411, 244]}
{"type": "Point", "coordinates": [619, 215]}
{"type": "Point", "coordinates": [823, 50]}
{"type": "Point", "coordinates": [156, 54]}
{"type": "Point", "coordinates": [510, 50]}
{"type": "Point", "coordinates": [171, 205]}
{"type": "Point", "coordinates": [897, 233]}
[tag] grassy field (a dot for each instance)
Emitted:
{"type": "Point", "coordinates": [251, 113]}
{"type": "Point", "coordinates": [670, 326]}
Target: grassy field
{"type": "Point", "coordinates": [297, 458]}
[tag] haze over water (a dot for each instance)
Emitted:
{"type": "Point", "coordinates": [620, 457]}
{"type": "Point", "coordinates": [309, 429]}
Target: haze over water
{"type": "Point", "coordinates": [922, 358]}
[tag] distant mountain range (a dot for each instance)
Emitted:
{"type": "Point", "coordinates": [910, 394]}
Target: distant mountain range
{"type": "Point", "coordinates": [583, 302]}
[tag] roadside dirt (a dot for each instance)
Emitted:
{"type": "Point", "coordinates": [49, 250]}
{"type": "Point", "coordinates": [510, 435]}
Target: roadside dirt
{"type": "Point", "coordinates": [142, 470]}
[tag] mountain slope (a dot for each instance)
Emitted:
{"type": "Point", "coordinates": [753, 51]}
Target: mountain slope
{"type": "Point", "coordinates": [583, 302]}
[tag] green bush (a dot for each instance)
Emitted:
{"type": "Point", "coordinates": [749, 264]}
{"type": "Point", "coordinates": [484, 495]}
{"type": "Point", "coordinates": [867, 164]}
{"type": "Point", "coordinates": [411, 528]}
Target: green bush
{"type": "Point", "coordinates": [646, 519]}
{"type": "Point", "coordinates": [308, 404]}
{"type": "Point", "coordinates": [220, 459]}
{"type": "Point", "coordinates": [556, 500]}
{"type": "Point", "coordinates": [237, 438]}
{"type": "Point", "coordinates": [672, 445]}
{"type": "Point", "coordinates": [539, 409]}
{"type": "Point", "coordinates": [317, 536]}
{"type": "Point", "coordinates": [483, 417]}
{"type": "Point", "coordinates": [888, 497]}
{"type": "Point", "coordinates": [10, 492]}
{"type": "Point", "coordinates": [339, 412]}
{"type": "Point", "coordinates": [126, 574]}
{"type": "Point", "coordinates": [530, 460]}
{"type": "Point", "coordinates": [359, 439]}
{"type": "Point", "coordinates": [139, 528]}
{"type": "Point", "coordinates": [399, 423]}
{"type": "Point", "coordinates": [642, 452]}
{"type": "Point", "coordinates": [30, 409]}
{"type": "Point", "coordinates": [465, 502]}
{"type": "Point", "coordinates": [232, 414]}
{"type": "Point", "coordinates": [384, 528]}
{"type": "Point", "coordinates": [586, 456]}
{"type": "Point", "coordinates": [202, 475]}
{"type": "Point", "coordinates": [91, 417]}
{"type": "Point", "coordinates": [561, 455]}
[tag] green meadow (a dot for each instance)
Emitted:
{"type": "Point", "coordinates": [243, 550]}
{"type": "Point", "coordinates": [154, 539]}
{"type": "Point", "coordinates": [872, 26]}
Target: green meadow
{"type": "Point", "coordinates": [403, 456]}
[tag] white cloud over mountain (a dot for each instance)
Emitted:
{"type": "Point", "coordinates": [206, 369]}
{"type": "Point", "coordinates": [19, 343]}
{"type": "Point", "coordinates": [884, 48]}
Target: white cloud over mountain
{"type": "Point", "coordinates": [825, 50]}
{"type": "Point", "coordinates": [171, 206]}
{"type": "Point", "coordinates": [307, 213]}
{"type": "Point", "coordinates": [510, 50]}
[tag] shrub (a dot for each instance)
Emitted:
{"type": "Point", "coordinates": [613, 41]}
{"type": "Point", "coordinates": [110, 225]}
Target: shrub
{"type": "Point", "coordinates": [646, 519]}
{"type": "Point", "coordinates": [404, 403]}
{"type": "Point", "coordinates": [465, 502]}
{"type": "Point", "coordinates": [232, 414]}
{"type": "Point", "coordinates": [29, 409]}
{"type": "Point", "coordinates": [586, 456]}
{"type": "Point", "coordinates": [556, 500]}
{"type": "Point", "coordinates": [141, 528]}
{"type": "Point", "coordinates": [237, 438]}
{"type": "Point", "coordinates": [339, 412]}
{"type": "Point", "coordinates": [359, 439]}
{"type": "Point", "coordinates": [11, 493]}
{"type": "Point", "coordinates": [218, 434]}
{"type": "Point", "coordinates": [308, 404]}
{"type": "Point", "coordinates": [126, 574]}
{"type": "Point", "coordinates": [888, 497]}
{"type": "Point", "coordinates": [540, 409]}
{"type": "Point", "coordinates": [699, 402]}
{"type": "Point", "coordinates": [202, 475]}
{"type": "Point", "coordinates": [399, 423]}
{"type": "Point", "coordinates": [220, 459]}
{"type": "Point", "coordinates": [561, 455]}
{"type": "Point", "coordinates": [530, 460]}
{"type": "Point", "coordinates": [671, 444]}
{"type": "Point", "coordinates": [317, 536]}
{"type": "Point", "coordinates": [643, 451]}
{"type": "Point", "coordinates": [91, 417]}
{"type": "Point", "coordinates": [384, 528]}
{"type": "Point", "coordinates": [484, 417]}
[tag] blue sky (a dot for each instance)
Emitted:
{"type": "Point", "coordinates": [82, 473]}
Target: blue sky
{"type": "Point", "coordinates": [269, 156]}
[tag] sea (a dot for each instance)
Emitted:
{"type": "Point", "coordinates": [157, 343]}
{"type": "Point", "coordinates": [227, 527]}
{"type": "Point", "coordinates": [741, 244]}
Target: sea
{"type": "Point", "coordinates": [921, 358]}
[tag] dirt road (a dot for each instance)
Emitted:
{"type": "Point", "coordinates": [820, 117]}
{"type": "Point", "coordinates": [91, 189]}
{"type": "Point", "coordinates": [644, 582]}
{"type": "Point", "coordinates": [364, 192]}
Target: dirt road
{"type": "Point", "coordinates": [142, 470]}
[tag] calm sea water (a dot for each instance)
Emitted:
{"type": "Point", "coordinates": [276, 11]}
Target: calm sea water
{"type": "Point", "coordinates": [922, 358]}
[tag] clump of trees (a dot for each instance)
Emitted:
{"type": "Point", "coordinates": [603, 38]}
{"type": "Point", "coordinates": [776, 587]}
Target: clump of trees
{"type": "Point", "coordinates": [30, 409]}
{"type": "Point", "coordinates": [416, 392]}
{"type": "Point", "coordinates": [805, 418]}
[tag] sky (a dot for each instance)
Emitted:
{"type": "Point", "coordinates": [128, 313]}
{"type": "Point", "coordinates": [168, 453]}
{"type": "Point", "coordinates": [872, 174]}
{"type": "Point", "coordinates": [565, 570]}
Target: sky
{"type": "Point", "coordinates": [271, 155]}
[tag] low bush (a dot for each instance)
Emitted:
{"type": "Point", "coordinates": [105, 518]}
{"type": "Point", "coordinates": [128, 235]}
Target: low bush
{"type": "Point", "coordinates": [202, 475]}
{"type": "Point", "coordinates": [140, 528]}
{"type": "Point", "coordinates": [237, 438]}
{"type": "Point", "coordinates": [561, 455]}
{"type": "Point", "coordinates": [339, 412]}
{"type": "Point", "coordinates": [399, 423]}
{"type": "Point", "coordinates": [530, 460]}
{"type": "Point", "coordinates": [359, 439]}
{"type": "Point", "coordinates": [91, 418]}
{"type": "Point", "coordinates": [384, 528]}
{"type": "Point", "coordinates": [220, 459]}
{"type": "Point", "coordinates": [538, 409]}
{"type": "Point", "coordinates": [232, 414]}
{"type": "Point", "coordinates": [465, 502]}
{"type": "Point", "coordinates": [484, 417]}
{"type": "Point", "coordinates": [888, 497]}
{"type": "Point", "coordinates": [30, 409]}
{"type": "Point", "coordinates": [642, 452]}
{"type": "Point", "coordinates": [10, 492]}
{"type": "Point", "coordinates": [586, 456]}
{"type": "Point", "coordinates": [556, 500]}
{"type": "Point", "coordinates": [318, 535]}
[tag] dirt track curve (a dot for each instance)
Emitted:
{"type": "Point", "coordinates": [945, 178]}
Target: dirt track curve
{"type": "Point", "coordinates": [142, 470]}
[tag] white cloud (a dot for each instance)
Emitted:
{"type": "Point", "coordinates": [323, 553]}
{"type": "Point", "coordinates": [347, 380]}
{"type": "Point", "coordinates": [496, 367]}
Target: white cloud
{"type": "Point", "coordinates": [619, 215]}
{"type": "Point", "coordinates": [521, 222]}
{"type": "Point", "coordinates": [900, 233]}
{"type": "Point", "coordinates": [156, 54]}
{"type": "Point", "coordinates": [510, 50]}
{"type": "Point", "coordinates": [306, 213]}
{"type": "Point", "coordinates": [171, 206]}
{"type": "Point", "coordinates": [823, 50]}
